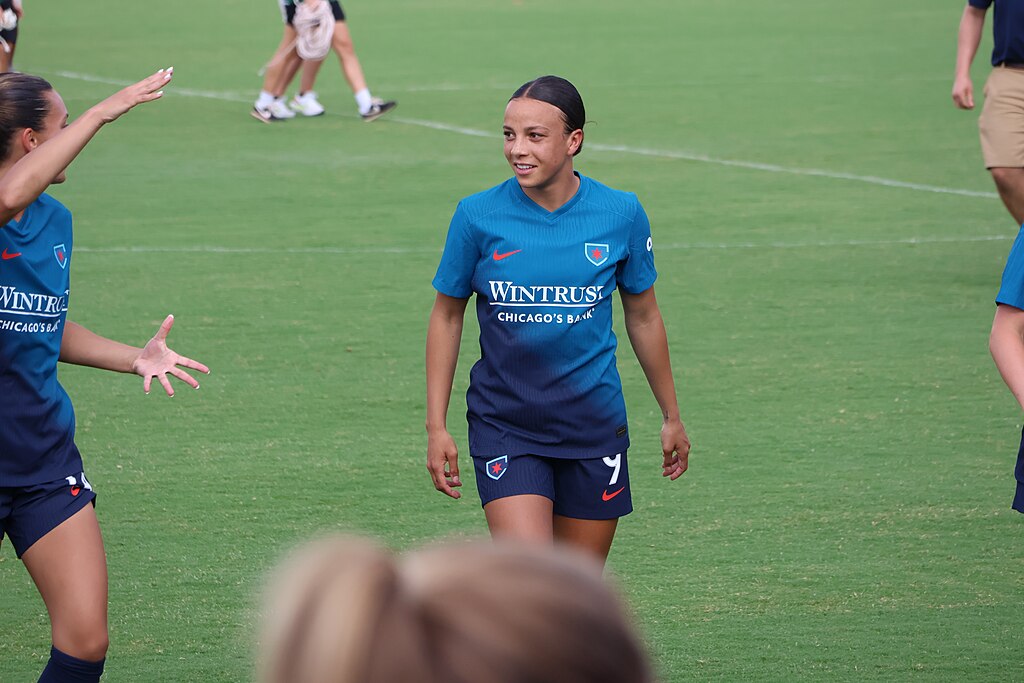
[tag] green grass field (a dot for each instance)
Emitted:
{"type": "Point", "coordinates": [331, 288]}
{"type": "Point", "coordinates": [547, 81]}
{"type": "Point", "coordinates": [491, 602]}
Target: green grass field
{"type": "Point", "coordinates": [846, 513]}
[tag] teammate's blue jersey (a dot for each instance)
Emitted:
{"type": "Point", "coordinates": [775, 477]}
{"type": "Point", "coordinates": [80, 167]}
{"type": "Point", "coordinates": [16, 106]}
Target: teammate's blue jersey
{"type": "Point", "coordinates": [1011, 289]}
{"type": "Point", "coordinates": [37, 422]}
{"type": "Point", "coordinates": [546, 382]}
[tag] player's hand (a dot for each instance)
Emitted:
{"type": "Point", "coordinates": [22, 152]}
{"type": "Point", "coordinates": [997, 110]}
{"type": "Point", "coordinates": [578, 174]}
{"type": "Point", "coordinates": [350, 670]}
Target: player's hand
{"type": "Point", "coordinates": [963, 92]}
{"type": "Point", "coordinates": [146, 90]}
{"type": "Point", "coordinates": [156, 360]}
{"type": "Point", "coordinates": [443, 462]}
{"type": "Point", "coordinates": [675, 447]}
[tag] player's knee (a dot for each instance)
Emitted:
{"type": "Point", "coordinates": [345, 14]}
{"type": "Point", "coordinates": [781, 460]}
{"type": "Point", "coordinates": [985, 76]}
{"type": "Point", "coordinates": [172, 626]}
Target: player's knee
{"type": "Point", "coordinates": [1006, 177]}
{"type": "Point", "coordinates": [87, 644]}
{"type": "Point", "coordinates": [343, 46]}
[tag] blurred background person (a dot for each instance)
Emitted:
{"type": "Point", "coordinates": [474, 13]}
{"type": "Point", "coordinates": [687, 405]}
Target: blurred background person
{"type": "Point", "coordinates": [343, 610]}
{"type": "Point", "coordinates": [271, 106]}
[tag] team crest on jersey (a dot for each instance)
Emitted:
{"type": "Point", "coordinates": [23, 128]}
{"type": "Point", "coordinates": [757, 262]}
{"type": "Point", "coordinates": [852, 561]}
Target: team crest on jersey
{"type": "Point", "coordinates": [596, 253]}
{"type": "Point", "coordinates": [61, 254]}
{"type": "Point", "coordinates": [496, 468]}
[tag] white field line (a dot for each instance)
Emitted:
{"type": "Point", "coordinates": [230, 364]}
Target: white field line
{"type": "Point", "coordinates": [679, 246]}
{"type": "Point", "coordinates": [623, 149]}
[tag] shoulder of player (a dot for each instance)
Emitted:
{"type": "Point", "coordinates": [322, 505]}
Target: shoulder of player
{"type": "Point", "coordinates": [492, 200]}
{"type": "Point", "coordinates": [618, 202]}
{"type": "Point", "coordinates": [51, 205]}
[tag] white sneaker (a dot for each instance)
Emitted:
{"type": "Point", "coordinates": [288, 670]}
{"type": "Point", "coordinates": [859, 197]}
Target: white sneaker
{"type": "Point", "coordinates": [307, 104]}
{"type": "Point", "coordinates": [279, 110]}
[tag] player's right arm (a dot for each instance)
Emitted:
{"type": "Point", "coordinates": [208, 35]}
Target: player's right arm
{"type": "Point", "coordinates": [1006, 343]}
{"type": "Point", "coordinates": [444, 335]}
{"type": "Point", "coordinates": [33, 173]}
{"type": "Point", "coordinates": [968, 38]}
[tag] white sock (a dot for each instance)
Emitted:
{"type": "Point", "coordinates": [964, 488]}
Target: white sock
{"type": "Point", "coordinates": [364, 101]}
{"type": "Point", "coordinates": [265, 99]}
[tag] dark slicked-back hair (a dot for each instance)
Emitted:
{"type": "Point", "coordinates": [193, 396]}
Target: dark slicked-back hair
{"type": "Point", "coordinates": [23, 104]}
{"type": "Point", "coordinates": [560, 93]}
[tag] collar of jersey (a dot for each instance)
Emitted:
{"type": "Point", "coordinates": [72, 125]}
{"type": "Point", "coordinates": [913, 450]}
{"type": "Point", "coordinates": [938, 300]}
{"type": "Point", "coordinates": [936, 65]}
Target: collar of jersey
{"type": "Point", "coordinates": [563, 209]}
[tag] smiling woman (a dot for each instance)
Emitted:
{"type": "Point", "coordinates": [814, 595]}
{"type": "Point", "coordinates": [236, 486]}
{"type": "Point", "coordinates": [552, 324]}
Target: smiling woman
{"type": "Point", "coordinates": [543, 253]}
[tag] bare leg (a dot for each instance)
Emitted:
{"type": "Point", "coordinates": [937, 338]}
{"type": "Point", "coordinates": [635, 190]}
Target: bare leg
{"type": "Point", "coordinates": [346, 51]}
{"type": "Point", "coordinates": [292, 62]}
{"type": "Point", "coordinates": [310, 69]}
{"type": "Point", "coordinates": [69, 567]}
{"type": "Point", "coordinates": [526, 517]}
{"type": "Point", "coordinates": [1010, 183]}
{"type": "Point", "coordinates": [285, 58]}
{"type": "Point", "coordinates": [7, 59]}
{"type": "Point", "coordinates": [593, 536]}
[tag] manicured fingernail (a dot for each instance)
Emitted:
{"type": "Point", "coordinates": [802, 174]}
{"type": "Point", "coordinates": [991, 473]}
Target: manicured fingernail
{"type": "Point", "coordinates": [160, 71]}
{"type": "Point", "coordinates": [159, 93]}
{"type": "Point", "coordinates": [167, 75]}
{"type": "Point", "coordinates": [197, 387]}
{"type": "Point", "coordinates": [170, 68]}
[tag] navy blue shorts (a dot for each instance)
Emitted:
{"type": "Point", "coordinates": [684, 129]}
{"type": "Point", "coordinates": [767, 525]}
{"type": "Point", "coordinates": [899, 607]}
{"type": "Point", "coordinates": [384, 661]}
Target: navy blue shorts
{"type": "Point", "coordinates": [27, 513]}
{"type": "Point", "coordinates": [1018, 473]}
{"type": "Point", "coordinates": [596, 488]}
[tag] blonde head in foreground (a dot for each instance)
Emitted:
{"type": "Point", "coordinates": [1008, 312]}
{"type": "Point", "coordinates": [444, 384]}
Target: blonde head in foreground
{"type": "Point", "coordinates": [343, 610]}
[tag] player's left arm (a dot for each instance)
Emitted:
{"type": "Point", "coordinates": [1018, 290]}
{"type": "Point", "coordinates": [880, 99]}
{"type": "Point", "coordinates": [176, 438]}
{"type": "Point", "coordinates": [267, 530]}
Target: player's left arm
{"type": "Point", "coordinates": [81, 346]}
{"type": "Point", "coordinates": [646, 330]}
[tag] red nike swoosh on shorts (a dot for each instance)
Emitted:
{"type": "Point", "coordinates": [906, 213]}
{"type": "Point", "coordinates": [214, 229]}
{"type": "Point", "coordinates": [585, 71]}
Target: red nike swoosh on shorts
{"type": "Point", "coordinates": [608, 496]}
{"type": "Point", "coordinates": [498, 257]}
{"type": "Point", "coordinates": [7, 256]}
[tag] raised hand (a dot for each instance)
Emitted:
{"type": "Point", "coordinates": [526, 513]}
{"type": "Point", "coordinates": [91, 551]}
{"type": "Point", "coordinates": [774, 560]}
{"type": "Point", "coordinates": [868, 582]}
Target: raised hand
{"type": "Point", "coordinates": [146, 90]}
{"type": "Point", "coordinates": [156, 360]}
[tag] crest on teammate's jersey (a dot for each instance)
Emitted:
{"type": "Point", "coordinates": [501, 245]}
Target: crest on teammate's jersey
{"type": "Point", "coordinates": [61, 254]}
{"type": "Point", "coordinates": [496, 468]}
{"type": "Point", "coordinates": [596, 253]}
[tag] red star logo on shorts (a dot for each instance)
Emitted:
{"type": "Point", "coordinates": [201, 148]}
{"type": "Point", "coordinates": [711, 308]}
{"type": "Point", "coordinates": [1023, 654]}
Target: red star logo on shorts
{"type": "Point", "coordinates": [496, 468]}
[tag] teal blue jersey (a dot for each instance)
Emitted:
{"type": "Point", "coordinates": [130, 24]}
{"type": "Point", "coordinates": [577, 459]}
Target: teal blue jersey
{"type": "Point", "coordinates": [546, 382]}
{"type": "Point", "coordinates": [37, 422]}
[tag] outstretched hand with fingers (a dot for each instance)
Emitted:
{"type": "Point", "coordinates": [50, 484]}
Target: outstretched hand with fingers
{"type": "Point", "coordinates": [146, 90]}
{"type": "Point", "coordinates": [156, 360]}
{"type": "Point", "coordinates": [675, 446]}
{"type": "Point", "coordinates": [443, 463]}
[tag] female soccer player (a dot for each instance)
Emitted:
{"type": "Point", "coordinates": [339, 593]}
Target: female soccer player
{"type": "Point", "coordinates": [44, 494]}
{"type": "Point", "coordinates": [12, 13]}
{"type": "Point", "coordinates": [1006, 343]}
{"type": "Point", "coordinates": [270, 105]}
{"type": "Point", "coordinates": [543, 252]}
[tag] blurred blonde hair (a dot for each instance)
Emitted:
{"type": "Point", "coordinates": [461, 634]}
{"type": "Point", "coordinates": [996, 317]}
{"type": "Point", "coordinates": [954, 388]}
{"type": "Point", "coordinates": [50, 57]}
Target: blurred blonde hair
{"type": "Point", "coordinates": [343, 610]}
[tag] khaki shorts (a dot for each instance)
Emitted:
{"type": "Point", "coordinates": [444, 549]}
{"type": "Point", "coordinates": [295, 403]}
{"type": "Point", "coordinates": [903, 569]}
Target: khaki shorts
{"type": "Point", "coordinates": [1002, 119]}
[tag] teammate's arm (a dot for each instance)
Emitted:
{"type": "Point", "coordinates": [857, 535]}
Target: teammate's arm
{"type": "Point", "coordinates": [33, 173]}
{"type": "Point", "coordinates": [972, 24]}
{"type": "Point", "coordinates": [1006, 343]}
{"type": "Point", "coordinates": [646, 330]}
{"type": "Point", "coordinates": [81, 346]}
{"type": "Point", "coordinates": [444, 335]}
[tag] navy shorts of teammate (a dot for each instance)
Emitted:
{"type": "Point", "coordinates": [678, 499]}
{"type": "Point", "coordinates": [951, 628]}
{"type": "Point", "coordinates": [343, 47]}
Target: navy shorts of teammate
{"type": "Point", "coordinates": [589, 488]}
{"type": "Point", "coordinates": [12, 35]}
{"type": "Point", "coordinates": [288, 11]}
{"type": "Point", "coordinates": [27, 513]}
